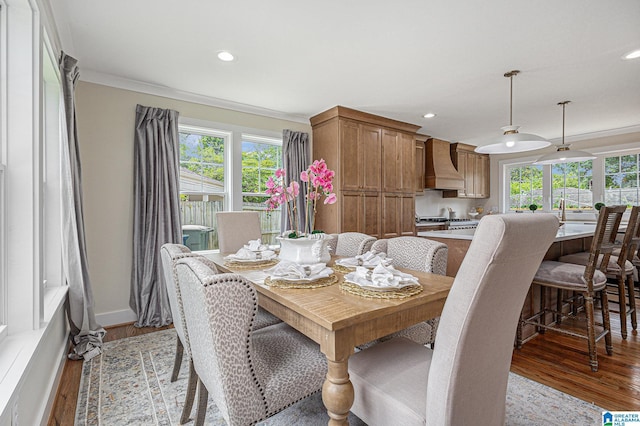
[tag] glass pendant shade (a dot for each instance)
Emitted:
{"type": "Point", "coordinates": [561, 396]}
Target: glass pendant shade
{"type": "Point", "coordinates": [512, 141]}
{"type": "Point", "coordinates": [563, 154]}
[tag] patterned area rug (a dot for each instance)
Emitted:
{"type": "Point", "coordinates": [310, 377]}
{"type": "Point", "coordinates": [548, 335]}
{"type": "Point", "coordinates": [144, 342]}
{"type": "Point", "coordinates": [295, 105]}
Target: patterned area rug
{"type": "Point", "coordinates": [129, 384]}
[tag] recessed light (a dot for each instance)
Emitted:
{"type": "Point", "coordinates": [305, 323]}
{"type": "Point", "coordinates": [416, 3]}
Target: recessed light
{"type": "Point", "coordinates": [429, 115]}
{"type": "Point", "coordinates": [632, 55]}
{"type": "Point", "coordinates": [225, 56]}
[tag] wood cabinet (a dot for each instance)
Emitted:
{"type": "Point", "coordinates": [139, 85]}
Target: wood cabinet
{"type": "Point", "coordinates": [419, 168]}
{"type": "Point", "coordinates": [374, 158]}
{"type": "Point", "coordinates": [474, 168]}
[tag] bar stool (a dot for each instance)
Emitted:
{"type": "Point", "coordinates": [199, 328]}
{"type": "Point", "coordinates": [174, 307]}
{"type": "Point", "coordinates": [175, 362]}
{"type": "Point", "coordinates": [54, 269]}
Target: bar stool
{"type": "Point", "coordinates": [584, 281]}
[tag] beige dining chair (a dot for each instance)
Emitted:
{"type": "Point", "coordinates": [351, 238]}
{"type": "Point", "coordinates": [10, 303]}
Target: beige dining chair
{"type": "Point", "coordinates": [582, 283]}
{"type": "Point", "coordinates": [170, 254]}
{"type": "Point", "coordinates": [620, 269]}
{"type": "Point", "coordinates": [250, 374]}
{"type": "Point", "coordinates": [463, 380]}
{"type": "Point", "coordinates": [235, 229]}
{"type": "Point", "coordinates": [350, 244]}
{"type": "Point", "coordinates": [420, 254]}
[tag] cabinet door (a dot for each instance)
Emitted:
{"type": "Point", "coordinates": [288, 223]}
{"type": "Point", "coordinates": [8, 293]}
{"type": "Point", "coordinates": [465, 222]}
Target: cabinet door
{"type": "Point", "coordinates": [370, 214]}
{"type": "Point", "coordinates": [390, 215]}
{"type": "Point", "coordinates": [390, 157]}
{"type": "Point", "coordinates": [462, 167]}
{"type": "Point", "coordinates": [419, 167]}
{"type": "Point", "coordinates": [350, 152]}
{"type": "Point", "coordinates": [407, 169]}
{"type": "Point", "coordinates": [368, 160]}
{"type": "Point", "coordinates": [482, 176]}
{"type": "Point", "coordinates": [350, 205]}
{"type": "Point", "coordinates": [407, 214]}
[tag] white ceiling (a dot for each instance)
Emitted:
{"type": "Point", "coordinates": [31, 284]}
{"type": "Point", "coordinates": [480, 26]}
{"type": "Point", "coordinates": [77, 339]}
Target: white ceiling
{"type": "Point", "coordinates": [399, 59]}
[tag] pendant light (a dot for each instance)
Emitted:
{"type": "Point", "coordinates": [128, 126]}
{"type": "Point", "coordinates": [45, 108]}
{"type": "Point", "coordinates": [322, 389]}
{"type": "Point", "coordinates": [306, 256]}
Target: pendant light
{"type": "Point", "coordinates": [511, 140]}
{"type": "Point", "coordinates": [563, 154]}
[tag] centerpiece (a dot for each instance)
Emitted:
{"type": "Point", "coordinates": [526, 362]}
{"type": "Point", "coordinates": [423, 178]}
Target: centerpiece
{"type": "Point", "coordinates": [302, 244]}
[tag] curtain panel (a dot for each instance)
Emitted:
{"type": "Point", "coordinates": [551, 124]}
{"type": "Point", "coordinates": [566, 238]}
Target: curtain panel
{"type": "Point", "coordinates": [295, 159]}
{"type": "Point", "coordinates": [156, 218]}
{"type": "Point", "coordinates": [86, 334]}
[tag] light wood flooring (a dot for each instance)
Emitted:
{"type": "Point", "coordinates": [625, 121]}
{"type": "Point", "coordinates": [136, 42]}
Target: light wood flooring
{"type": "Point", "coordinates": [556, 360]}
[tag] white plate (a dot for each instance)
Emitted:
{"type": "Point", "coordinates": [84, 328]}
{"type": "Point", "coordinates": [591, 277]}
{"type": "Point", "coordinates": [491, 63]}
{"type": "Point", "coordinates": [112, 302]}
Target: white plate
{"type": "Point", "coordinates": [264, 259]}
{"type": "Point", "coordinates": [323, 274]}
{"type": "Point", "coordinates": [348, 263]}
{"type": "Point", "coordinates": [350, 277]}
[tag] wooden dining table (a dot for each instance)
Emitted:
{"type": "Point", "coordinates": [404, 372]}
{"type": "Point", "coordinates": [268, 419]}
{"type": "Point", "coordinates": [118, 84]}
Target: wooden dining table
{"type": "Point", "coordinates": [339, 321]}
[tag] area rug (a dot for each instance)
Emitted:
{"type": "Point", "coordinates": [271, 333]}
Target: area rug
{"type": "Point", "coordinates": [129, 384]}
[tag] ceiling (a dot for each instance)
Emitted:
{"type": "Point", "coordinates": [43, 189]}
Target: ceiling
{"type": "Point", "coordinates": [397, 59]}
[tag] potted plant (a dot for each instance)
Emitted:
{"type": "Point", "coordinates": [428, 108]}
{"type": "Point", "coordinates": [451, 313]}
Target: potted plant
{"type": "Point", "coordinates": [533, 207]}
{"type": "Point", "coordinates": [598, 206]}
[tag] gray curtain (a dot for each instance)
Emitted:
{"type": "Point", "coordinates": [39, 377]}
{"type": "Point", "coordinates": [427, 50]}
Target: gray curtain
{"type": "Point", "coordinates": [156, 211]}
{"type": "Point", "coordinates": [86, 334]}
{"type": "Point", "coordinates": [295, 159]}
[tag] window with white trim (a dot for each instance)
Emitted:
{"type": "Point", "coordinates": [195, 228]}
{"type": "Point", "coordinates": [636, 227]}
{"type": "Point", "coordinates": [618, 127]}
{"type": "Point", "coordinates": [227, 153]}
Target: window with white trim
{"type": "Point", "coordinates": [621, 182]}
{"type": "Point", "coordinates": [261, 157]}
{"type": "Point", "coordinates": [525, 186]}
{"type": "Point", "coordinates": [572, 182]}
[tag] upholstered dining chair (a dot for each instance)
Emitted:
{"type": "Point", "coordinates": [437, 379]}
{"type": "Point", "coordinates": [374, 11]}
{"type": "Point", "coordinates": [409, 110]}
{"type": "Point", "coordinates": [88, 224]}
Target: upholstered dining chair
{"type": "Point", "coordinates": [583, 283]}
{"type": "Point", "coordinates": [251, 374]}
{"type": "Point", "coordinates": [170, 253]}
{"type": "Point", "coordinates": [420, 254]}
{"type": "Point", "coordinates": [621, 269]}
{"type": "Point", "coordinates": [463, 380]}
{"type": "Point", "coordinates": [236, 228]}
{"type": "Point", "coordinates": [350, 243]}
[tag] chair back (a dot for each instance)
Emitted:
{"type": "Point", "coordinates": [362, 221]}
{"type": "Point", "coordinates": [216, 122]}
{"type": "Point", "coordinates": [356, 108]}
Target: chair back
{"type": "Point", "coordinates": [417, 253]}
{"type": "Point", "coordinates": [470, 366]}
{"type": "Point", "coordinates": [350, 244]}
{"type": "Point", "coordinates": [220, 310]}
{"type": "Point", "coordinates": [631, 239]}
{"type": "Point", "coordinates": [604, 242]}
{"type": "Point", "coordinates": [236, 228]}
{"type": "Point", "coordinates": [170, 253]}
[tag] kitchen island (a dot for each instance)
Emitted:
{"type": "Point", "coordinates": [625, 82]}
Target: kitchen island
{"type": "Point", "coordinates": [571, 238]}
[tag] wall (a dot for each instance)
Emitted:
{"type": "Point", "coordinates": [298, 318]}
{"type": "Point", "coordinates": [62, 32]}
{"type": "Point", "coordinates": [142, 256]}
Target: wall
{"type": "Point", "coordinates": [105, 117]}
{"type": "Point", "coordinates": [431, 203]}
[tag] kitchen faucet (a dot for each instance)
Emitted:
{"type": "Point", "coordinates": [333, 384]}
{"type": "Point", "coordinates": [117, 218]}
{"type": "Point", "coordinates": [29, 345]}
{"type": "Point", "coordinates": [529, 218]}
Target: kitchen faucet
{"type": "Point", "coordinates": [563, 215]}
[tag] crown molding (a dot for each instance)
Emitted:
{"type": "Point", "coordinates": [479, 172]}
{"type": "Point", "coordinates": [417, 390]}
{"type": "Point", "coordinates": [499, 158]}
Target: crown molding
{"type": "Point", "coordinates": [96, 77]}
{"type": "Point", "coordinates": [598, 134]}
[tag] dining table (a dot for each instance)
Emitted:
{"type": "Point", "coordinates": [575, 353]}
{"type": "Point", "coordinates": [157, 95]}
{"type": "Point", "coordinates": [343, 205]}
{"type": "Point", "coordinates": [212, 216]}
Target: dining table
{"type": "Point", "coordinates": [339, 320]}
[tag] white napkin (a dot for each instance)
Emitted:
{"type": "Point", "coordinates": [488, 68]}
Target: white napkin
{"type": "Point", "coordinates": [368, 260]}
{"type": "Point", "coordinates": [381, 277]}
{"type": "Point", "coordinates": [246, 254]}
{"type": "Point", "coordinates": [255, 245]}
{"type": "Point", "coordinates": [294, 271]}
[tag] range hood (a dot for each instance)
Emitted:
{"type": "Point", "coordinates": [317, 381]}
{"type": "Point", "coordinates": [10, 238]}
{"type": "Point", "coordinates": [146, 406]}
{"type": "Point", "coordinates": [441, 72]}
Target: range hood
{"type": "Point", "coordinates": [439, 170]}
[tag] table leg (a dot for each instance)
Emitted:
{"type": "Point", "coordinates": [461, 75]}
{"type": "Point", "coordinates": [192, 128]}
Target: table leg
{"type": "Point", "coordinates": [337, 392]}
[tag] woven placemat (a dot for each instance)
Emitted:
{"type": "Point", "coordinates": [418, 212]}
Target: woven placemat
{"type": "Point", "coordinates": [250, 265]}
{"type": "Point", "coordinates": [322, 282]}
{"type": "Point", "coordinates": [343, 269]}
{"type": "Point", "coordinates": [400, 293]}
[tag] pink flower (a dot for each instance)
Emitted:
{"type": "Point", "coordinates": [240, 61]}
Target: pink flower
{"type": "Point", "coordinates": [279, 173]}
{"type": "Point", "coordinates": [331, 199]}
{"type": "Point", "coordinates": [304, 176]}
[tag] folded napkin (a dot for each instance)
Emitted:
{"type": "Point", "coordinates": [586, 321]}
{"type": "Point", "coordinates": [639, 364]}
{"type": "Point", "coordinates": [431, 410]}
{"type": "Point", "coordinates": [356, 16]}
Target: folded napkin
{"type": "Point", "coordinates": [381, 277]}
{"type": "Point", "coordinates": [368, 260]}
{"type": "Point", "coordinates": [246, 254]}
{"type": "Point", "coordinates": [256, 245]}
{"type": "Point", "coordinates": [294, 271]}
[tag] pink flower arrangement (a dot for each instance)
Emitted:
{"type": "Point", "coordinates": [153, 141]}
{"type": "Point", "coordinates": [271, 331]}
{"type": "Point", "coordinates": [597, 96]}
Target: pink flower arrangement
{"type": "Point", "coordinates": [319, 179]}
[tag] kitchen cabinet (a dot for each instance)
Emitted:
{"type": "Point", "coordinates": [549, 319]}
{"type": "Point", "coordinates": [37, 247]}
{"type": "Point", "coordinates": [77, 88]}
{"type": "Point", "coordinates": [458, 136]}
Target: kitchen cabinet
{"type": "Point", "coordinates": [475, 170]}
{"type": "Point", "coordinates": [419, 157]}
{"type": "Point", "coordinates": [374, 159]}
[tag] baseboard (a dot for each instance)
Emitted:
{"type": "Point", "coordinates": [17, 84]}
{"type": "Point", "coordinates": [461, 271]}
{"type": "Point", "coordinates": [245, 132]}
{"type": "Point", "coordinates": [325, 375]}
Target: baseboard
{"type": "Point", "coordinates": [107, 319]}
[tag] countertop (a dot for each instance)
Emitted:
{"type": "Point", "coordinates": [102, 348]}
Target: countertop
{"type": "Point", "coordinates": [568, 231]}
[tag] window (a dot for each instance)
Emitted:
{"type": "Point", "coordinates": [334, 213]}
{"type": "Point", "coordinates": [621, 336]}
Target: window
{"type": "Point", "coordinates": [525, 186]}
{"type": "Point", "coordinates": [572, 181]}
{"type": "Point", "coordinates": [260, 159]}
{"type": "Point", "coordinates": [202, 184]}
{"type": "Point", "coordinates": [621, 180]}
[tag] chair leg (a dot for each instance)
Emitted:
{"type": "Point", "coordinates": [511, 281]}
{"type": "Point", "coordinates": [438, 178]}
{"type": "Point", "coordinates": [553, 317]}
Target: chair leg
{"type": "Point", "coordinates": [543, 309]}
{"type": "Point", "coordinates": [203, 398]}
{"type": "Point", "coordinates": [591, 332]}
{"type": "Point", "coordinates": [178, 361]}
{"type": "Point", "coordinates": [191, 393]}
{"type": "Point", "coordinates": [606, 321]}
{"type": "Point", "coordinates": [519, 332]}
{"type": "Point", "coordinates": [622, 301]}
{"type": "Point", "coordinates": [632, 301]}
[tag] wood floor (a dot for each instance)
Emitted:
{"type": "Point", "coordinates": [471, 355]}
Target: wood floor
{"type": "Point", "coordinates": [559, 361]}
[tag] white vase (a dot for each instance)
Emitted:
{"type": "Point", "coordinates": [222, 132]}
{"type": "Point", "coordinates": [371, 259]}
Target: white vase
{"type": "Point", "coordinates": [305, 250]}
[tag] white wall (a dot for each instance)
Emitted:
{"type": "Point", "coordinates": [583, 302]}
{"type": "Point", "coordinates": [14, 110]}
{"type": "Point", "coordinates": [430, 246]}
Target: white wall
{"type": "Point", "coordinates": [106, 118]}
